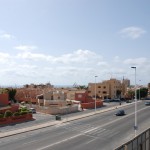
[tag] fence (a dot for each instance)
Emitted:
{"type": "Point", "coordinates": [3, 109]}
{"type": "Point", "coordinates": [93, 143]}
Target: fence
{"type": "Point", "coordinates": [141, 142]}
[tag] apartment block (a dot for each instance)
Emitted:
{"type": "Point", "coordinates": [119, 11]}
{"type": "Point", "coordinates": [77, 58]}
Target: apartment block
{"type": "Point", "coordinates": [100, 89]}
{"type": "Point", "coordinates": [112, 88]}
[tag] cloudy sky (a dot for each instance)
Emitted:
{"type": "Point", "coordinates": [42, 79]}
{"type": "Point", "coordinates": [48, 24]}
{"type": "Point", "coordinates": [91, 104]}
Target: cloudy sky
{"type": "Point", "coordinates": [70, 41]}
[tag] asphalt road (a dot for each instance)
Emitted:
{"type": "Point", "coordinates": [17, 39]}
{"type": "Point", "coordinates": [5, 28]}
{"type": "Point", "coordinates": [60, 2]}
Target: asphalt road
{"type": "Point", "coordinates": [42, 118]}
{"type": "Point", "coordinates": [99, 132]}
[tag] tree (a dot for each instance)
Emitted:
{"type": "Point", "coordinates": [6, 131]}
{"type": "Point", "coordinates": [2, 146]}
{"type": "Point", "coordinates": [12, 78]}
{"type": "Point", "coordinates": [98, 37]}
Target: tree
{"type": "Point", "coordinates": [4, 90]}
{"type": "Point", "coordinates": [118, 93]}
{"type": "Point", "coordinates": [130, 94]}
{"type": "Point", "coordinates": [143, 92]}
{"type": "Point", "coordinates": [82, 87]}
{"type": "Point", "coordinates": [12, 93]}
{"type": "Point", "coordinates": [26, 85]}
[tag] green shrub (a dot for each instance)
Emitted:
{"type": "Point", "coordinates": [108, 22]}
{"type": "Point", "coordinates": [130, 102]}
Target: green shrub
{"type": "Point", "coordinates": [16, 114]}
{"type": "Point", "coordinates": [24, 112]}
{"type": "Point", "coordinates": [23, 109]}
{"type": "Point", "coordinates": [8, 113]}
{"type": "Point", "coordinates": [1, 115]}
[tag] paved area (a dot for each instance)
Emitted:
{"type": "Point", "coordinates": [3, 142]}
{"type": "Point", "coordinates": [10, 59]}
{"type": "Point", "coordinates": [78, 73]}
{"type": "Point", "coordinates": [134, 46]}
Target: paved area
{"type": "Point", "coordinates": [39, 118]}
{"type": "Point", "coordinates": [55, 122]}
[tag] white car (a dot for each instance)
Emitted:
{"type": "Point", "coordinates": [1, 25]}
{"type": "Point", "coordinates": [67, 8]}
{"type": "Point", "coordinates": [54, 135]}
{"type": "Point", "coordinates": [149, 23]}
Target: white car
{"type": "Point", "coordinates": [147, 103]}
{"type": "Point", "coordinates": [33, 110]}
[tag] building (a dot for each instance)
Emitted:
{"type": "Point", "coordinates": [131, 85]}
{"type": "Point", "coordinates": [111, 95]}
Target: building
{"type": "Point", "coordinates": [52, 97]}
{"type": "Point", "coordinates": [100, 89]}
{"type": "Point", "coordinates": [148, 95]}
{"type": "Point", "coordinates": [112, 88]}
{"type": "Point", "coordinates": [4, 99]}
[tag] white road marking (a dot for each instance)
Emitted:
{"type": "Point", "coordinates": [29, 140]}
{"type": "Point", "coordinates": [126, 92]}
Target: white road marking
{"type": "Point", "coordinates": [89, 141]}
{"type": "Point", "coordinates": [67, 139]}
{"type": "Point", "coordinates": [91, 130]}
{"type": "Point", "coordinates": [70, 138]}
{"type": "Point", "coordinates": [29, 142]}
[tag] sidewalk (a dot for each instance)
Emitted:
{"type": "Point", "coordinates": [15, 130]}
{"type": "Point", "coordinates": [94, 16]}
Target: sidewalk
{"type": "Point", "coordinates": [52, 123]}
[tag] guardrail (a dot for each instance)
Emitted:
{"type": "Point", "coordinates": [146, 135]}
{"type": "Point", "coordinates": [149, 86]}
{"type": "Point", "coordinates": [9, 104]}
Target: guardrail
{"type": "Point", "coordinates": [141, 142]}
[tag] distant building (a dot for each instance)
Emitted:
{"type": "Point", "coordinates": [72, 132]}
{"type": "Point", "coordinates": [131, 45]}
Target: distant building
{"type": "Point", "coordinates": [148, 90]}
{"type": "Point", "coordinates": [126, 82]}
{"type": "Point", "coordinates": [148, 85]}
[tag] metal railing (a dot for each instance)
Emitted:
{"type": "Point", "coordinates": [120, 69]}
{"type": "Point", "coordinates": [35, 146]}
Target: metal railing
{"type": "Point", "coordinates": [141, 142]}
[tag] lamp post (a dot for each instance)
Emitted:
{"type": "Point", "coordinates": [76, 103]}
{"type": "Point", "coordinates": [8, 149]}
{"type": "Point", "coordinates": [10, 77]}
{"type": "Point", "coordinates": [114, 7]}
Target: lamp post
{"type": "Point", "coordinates": [95, 93]}
{"type": "Point", "coordinates": [135, 125]}
{"type": "Point", "coordinates": [139, 92]}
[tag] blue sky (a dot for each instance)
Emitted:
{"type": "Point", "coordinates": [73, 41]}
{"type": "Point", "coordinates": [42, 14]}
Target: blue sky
{"type": "Point", "coordinates": [70, 41]}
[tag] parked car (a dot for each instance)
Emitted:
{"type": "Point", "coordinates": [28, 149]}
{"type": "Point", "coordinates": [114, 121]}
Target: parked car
{"type": "Point", "coordinates": [128, 101]}
{"type": "Point", "coordinates": [147, 103]}
{"type": "Point", "coordinates": [107, 100]}
{"type": "Point", "coordinates": [116, 100]}
{"type": "Point", "coordinates": [120, 112]}
{"type": "Point", "coordinates": [32, 110]}
{"type": "Point", "coordinates": [147, 98]}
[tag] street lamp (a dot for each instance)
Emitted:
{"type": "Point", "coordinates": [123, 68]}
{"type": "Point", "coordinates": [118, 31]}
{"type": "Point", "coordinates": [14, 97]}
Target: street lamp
{"type": "Point", "coordinates": [139, 92]}
{"type": "Point", "coordinates": [135, 125]}
{"type": "Point", "coordinates": [95, 92]}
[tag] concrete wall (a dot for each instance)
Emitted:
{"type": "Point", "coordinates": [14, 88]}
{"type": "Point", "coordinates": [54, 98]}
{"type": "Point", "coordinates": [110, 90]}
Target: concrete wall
{"type": "Point", "coordinates": [54, 102]}
{"type": "Point", "coordinates": [57, 110]}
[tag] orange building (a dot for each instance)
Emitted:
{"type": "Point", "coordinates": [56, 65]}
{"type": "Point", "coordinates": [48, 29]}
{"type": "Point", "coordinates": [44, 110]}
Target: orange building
{"type": "Point", "coordinates": [87, 102]}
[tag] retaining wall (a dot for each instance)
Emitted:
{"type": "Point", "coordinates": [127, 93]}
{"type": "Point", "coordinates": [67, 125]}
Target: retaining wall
{"type": "Point", "coordinates": [15, 119]}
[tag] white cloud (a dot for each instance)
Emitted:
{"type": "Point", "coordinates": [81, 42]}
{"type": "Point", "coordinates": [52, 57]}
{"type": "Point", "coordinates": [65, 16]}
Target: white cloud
{"type": "Point", "coordinates": [81, 57]}
{"type": "Point", "coordinates": [79, 66]}
{"type": "Point", "coordinates": [25, 66]}
{"type": "Point", "coordinates": [33, 56]}
{"type": "Point", "coordinates": [4, 57]}
{"type": "Point", "coordinates": [116, 59]}
{"type": "Point", "coordinates": [103, 64]}
{"type": "Point", "coordinates": [26, 47]}
{"type": "Point", "coordinates": [136, 61]}
{"type": "Point", "coordinates": [6, 36]}
{"type": "Point", "coordinates": [132, 32]}
{"type": "Point", "coordinates": [80, 63]}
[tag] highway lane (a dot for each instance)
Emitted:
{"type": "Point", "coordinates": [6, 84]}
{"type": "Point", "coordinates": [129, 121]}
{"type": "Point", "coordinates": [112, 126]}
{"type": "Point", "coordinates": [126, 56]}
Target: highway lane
{"type": "Point", "coordinates": [41, 118]}
{"type": "Point", "coordinates": [102, 131]}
